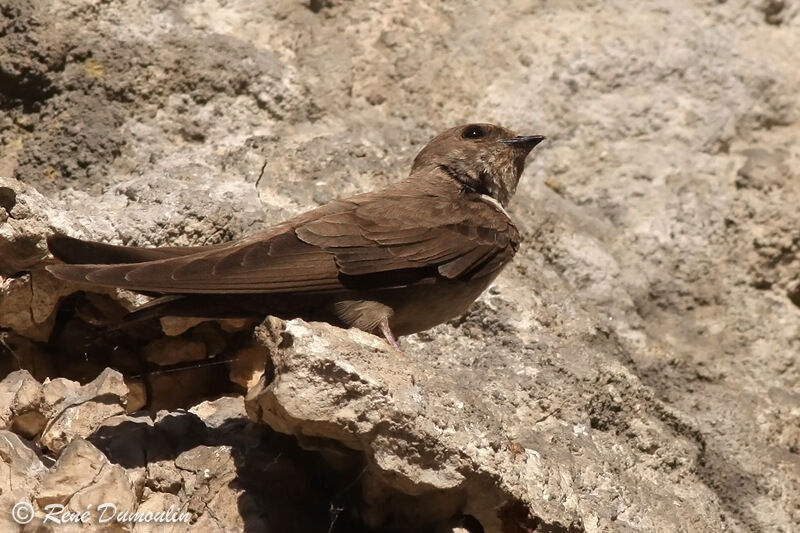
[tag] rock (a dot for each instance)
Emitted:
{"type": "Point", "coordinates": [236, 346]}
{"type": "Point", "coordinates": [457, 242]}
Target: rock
{"type": "Point", "coordinates": [77, 412]}
{"type": "Point", "coordinates": [174, 326]}
{"type": "Point", "coordinates": [181, 388]}
{"type": "Point", "coordinates": [22, 231]}
{"type": "Point", "coordinates": [19, 393]}
{"type": "Point", "coordinates": [217, 413]}
{"type": "Point", "coordinates": [20, 471]}
{"type": "Point", "coordinates": [28, 218]}
{"type": "Point", "coordinates": [164, 476]}
{"type": "Point", "coordinates": [39, 293]}
{"type": "Point", "coordinates": [652, 308]}
{"type": "Point", "coordinates": [270, 402]}
{"type": "Point", "coordinates": [55, 393]}
{"type": "Point", "coordinates": [158, 502]}
{"type": "Point", "coordinates": [212, 336]}
{"type": "Point", "coordinates": [137, 396]}
{"type": "Point", "coordinates": [424, 435]}
{"type": "Point", "coordinates": [111, 486]}
{"type": "Point", "coordinates": [168, 351]}
{"type": "Point", "coordinates": [763, 169]}
{"type": "Point", "coordinates": [124, 440]}
{"type": "Point", "coordinates": [29, 424]}
{"type": "Point", "coordinates": [102, 310]}
{"type": "Point", "coordinates": [85, 483]}
{"type": "Point", "coordinates": [30, 356]}
{"type": "Point", "coordinates": [247, 366]}
{"type": "Point", "coordinates": [76, 469]}
{"type": "Point", "coordinates": [19, 397]}
{"type": "Point", "coordinates": [234, 325]}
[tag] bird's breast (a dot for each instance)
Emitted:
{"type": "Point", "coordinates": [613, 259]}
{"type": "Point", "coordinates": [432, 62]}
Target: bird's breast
{"type": "Point", "coordinates": [419, 308]}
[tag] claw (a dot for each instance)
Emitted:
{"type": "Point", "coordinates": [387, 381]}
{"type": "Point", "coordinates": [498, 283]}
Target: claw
{"type": "Point", "coordinates": [388, 335]}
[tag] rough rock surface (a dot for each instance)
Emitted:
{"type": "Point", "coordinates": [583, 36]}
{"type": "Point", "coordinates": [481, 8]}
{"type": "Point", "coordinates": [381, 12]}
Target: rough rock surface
{"type": "Point", "coordinates": [636, 368]}
{"type": "Point", "coordinates": [511, 454]}
{"type": "Point", "coordinates": [206, 467]}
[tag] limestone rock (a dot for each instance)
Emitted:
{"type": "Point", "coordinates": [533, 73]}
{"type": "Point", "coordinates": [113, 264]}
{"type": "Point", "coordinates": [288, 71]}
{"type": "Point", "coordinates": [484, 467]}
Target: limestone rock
{"type": "Point", "coordinates": [168, 351]}
{"type": "Point", "coordinates": [19, 394]}
{"type": "Point", "coordinates": [247, 366]}
{"type": "Point", "coordinates": [174, 326]}
{"type": "Point", "coordinates": [25, 354]}
{"type": "Point", "coordinates": [424, 434]}
{"type": "Point", "coordinates": [171, 390]}
{"type": "Point", "coordinates": [216, 413]}
{"type": "Point", "coordinates": [77, 411]}
{"type": "Point", "coordinates": [137, 396]}
{"type": "Point", "coordinates": [76, 469]}
{"type": "Point", "coordinates": [652, 308]}
{"type": "Point", "coordinates": [84, 482]}
{"type": "Point", "coordinates": [20, 471]}
{"type": "Point", "coordinates": [113, 486]}
{"type": "Point", "coordinates": [36, 291]}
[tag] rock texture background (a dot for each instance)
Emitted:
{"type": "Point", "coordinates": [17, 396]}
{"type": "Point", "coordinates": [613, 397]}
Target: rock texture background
{"type": "Point", "coordinates": [635, 369]}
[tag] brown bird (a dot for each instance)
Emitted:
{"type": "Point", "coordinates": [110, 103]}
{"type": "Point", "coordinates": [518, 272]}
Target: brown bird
{"type": "Point", "coordinates": [394, 262]}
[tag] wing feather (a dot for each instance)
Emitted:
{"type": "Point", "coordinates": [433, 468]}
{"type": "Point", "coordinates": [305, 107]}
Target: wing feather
{"type": "Point", "coordinates": [330, 249]}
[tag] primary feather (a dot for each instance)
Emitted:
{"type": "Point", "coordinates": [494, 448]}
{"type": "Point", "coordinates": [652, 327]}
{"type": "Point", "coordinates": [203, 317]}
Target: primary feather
{"type": "Point", "coordinates": [326, 249]}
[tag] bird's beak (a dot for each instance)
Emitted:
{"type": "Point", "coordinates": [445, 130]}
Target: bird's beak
{"type": "Point", "coordinates": [524, 141]}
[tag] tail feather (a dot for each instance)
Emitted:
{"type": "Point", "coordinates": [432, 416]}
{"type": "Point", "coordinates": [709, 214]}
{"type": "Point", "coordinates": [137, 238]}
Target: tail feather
{"type": "Point", "coordinates": [76, 251]}
{"type": "Point", "coordinates": [76, 273]}
{"type": "Point", "coordinates": [106, 265]}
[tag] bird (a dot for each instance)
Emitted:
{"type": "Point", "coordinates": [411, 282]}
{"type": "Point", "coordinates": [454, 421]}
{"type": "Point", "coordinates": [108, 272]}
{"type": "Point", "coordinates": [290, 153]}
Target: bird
{"type": "Point", "coordinates": [391, 262]}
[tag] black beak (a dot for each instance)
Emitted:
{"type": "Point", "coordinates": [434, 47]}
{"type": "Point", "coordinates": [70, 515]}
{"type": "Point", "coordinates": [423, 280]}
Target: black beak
{"type": "Point", "coordinates": [524, 141]}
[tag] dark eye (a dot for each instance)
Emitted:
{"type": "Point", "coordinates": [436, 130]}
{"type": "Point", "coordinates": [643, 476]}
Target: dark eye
{"type": "Point", "coordinates": [473, 132]}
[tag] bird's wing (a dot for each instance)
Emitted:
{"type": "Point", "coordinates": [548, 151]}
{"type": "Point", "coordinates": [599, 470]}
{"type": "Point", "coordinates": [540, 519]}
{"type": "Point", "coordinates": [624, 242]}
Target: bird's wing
{"type": "Point", "coordinates": [373, 240]}
{"type": "Point", "coordinates": [459, 238]}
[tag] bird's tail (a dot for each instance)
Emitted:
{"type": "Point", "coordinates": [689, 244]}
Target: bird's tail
{"type": "Point", "coordinates": [79, 252]}
{"type": "Point", "coordinates": [80, 255]}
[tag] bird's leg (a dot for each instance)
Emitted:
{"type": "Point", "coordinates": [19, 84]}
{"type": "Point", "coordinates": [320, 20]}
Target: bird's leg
{"type": "Point", "coordinates": [388, 335]}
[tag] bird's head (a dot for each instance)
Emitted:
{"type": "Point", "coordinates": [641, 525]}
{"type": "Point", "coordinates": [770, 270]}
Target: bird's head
{"type": "Point", "coordinates": [481, 158]}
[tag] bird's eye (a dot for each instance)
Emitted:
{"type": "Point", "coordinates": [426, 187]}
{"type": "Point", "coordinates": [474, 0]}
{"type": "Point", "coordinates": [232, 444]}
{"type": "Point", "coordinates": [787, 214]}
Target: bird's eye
{"type": "Point", "coordinates": [473, 132]}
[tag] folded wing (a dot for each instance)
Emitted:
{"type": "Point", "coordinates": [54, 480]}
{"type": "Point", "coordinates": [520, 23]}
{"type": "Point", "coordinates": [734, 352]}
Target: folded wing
{"type": "Point", "coordinates": [372, 240]}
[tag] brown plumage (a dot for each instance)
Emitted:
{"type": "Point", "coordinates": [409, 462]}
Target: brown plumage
{"type": "Point", "coordinates": [399, 260]}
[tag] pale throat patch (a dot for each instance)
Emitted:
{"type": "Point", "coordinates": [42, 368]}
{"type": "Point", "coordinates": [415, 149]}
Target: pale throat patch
{"type": "Point", "coordinates": [491, 201]}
